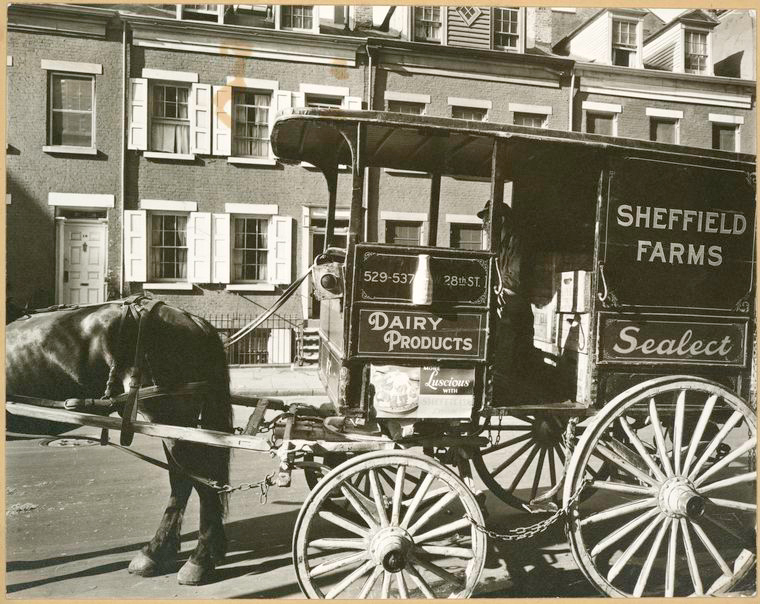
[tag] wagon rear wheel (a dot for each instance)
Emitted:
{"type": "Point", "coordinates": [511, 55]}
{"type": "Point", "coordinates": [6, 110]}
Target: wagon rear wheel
{"type": "Point", "coordinates": [389, 544]}
{"type": "Point", "coordinates": [678, 516]}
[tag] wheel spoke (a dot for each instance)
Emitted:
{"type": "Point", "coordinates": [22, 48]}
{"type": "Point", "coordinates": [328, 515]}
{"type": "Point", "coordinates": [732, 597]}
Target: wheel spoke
{"type": "Point", "coordinates": [621, 532]}
{"type": "Point", "coordinates": [625, 465]}
{"type": "Point", "coordinates": [634, 547]}
{"type": "Point", "coordinates": [379, 505]}
{"type": "Point", "coordinates": [727, 482]}
{"type": "Point", "coordinates": [704, 417]}
{"type": "Point", "coordinates": [506, 443]}
{"type": "Point", "coordinates": [336, 543]}
{"type": "Point", "coordinates": [622, 487]}
{"type": "Point", "coordinates": [398, 495]}
{"type": "Point", "coordinates": [691, 559]}
{"type": "Point", "coordinates": [641, 582]}
{"type": "Point", "coordinates": [351, 495]}
{"type": "Point", "coordinates": [341, 587]}
{"type": "Point", "coordinates": [386, 586]}
{"type": "Point", "coordinates": [719, 437]}
{"type": "Point", "coordinates": [370, 582]}
{"type": "Point", "coordinates": [734, 505]}
{"type": "Point", "coordinates": [639, 446]}
{"type": "Point", "coordinates": [505, 464]}
{"type": "Point", "coordinates": [620, 510]}
{"type": "Point", "coordinates": [343, 523]}
{"type": "Point", "coordinates": [710, 547]}
{"type": "Point", "coordinates": [537, 477]}
{"type": "Point", "coordinates": [523, 469]}
{"type": "Point", "coordinates": [432, 511]}
{"type": "Point", "coordinates": [670, 568]}
{"type": "Point", "coordinates": [401, 584]}
{"type": "Point", "coordinates": [441, 531]}
{"type": "Point", "coordinates": [552, 468]}
{"type": "Point", "coordinates": [438, 572]}
{"type": "Point", "coordinates": [659, 438]}
{"type": "Point", "coordinates": [428, 496]}
{"type": "Point", "coordinates": [678, 431]}
{"type": "Point", "coordinates": [421, 583]}
{"type": "Point", "coordinates": [445, 550]}
{"type": "Point", "coordinates": [719, 465]}
{"type": "Point", "coordinates": [332, 565]}
{"type": "Point", "coordinates": [417, 500]}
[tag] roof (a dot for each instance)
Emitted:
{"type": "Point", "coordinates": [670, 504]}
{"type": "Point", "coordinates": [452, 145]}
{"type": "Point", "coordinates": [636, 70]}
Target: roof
{"type": "Point", "coordinates": [592, 18]}
{"type": "Point", "coordinates": [454, 147]}
{"type": "Point", "coordinates": [692, 17]}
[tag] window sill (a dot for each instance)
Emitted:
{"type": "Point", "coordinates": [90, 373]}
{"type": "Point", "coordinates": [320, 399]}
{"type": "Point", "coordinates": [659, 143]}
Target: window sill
{"type": "Point", "coordinates": [174, 156]}
{"type": "Point", "coordinates": [409, 172]}
{"type": "Point", "coordinates": [169, 285]}
{"type": "Point", "coordinates": [250, 287]}
{"type": "Point", "coordinates": [308, 166]}
{"type": "Point", "coordinates": [255, 161]}
{"type": "Point", "coordinates": [70, 149]}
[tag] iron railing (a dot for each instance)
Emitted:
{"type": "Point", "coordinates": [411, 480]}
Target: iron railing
{"type": "Point", "coordinates": [275, 342]}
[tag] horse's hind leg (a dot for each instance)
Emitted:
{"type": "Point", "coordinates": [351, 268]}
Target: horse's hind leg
{"type": "Point", "coordinates": [162, 549]}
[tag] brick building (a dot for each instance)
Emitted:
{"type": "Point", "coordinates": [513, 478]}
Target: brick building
{"type": "Point", "coordinates": [138, 154]}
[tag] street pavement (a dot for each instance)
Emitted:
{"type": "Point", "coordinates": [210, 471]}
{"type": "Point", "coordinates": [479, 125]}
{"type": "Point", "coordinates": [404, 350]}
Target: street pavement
{"type": "Point", "coordinates": [76, 515]}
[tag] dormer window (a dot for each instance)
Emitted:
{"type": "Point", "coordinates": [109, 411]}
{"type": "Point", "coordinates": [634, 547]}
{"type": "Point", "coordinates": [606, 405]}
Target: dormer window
{"type": "Point", "coordinates": [624, 43]}
{"type": "Point", "coordinates": [695, 51]}
{"type": "Point", "coordinates": [297, 17]}
{"type": "Point", "coordinates": [506, 28]}
{"type": "Point", "coordinates": [427, 24]}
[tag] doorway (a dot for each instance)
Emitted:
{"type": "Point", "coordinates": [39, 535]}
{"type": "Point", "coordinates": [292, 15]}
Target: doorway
{"type": "Point", "coordinates": [81, 262]}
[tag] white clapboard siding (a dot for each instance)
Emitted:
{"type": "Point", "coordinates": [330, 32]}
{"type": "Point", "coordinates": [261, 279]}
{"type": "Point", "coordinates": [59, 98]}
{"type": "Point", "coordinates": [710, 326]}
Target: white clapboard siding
{"type": "Point", "coordinates": [138, 114]}
{"type": "Point", "coordinates": [222, 109]}
{"type": "Point", "coordinates": [200, 119]}
{"type": "Point", "coordinates": [135, 246]}
{"type": "Point", "coordinates": [279, 257]}
{"type": "Point", "coordinates": [199, 247]}
{"type": "Point", "coordinates": [592, 43]}
{"type": "Point", "coordinates": [220, 248]}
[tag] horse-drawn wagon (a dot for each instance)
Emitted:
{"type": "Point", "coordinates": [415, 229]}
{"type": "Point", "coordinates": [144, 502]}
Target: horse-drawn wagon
{"type": "Point", "coordinates": [622, 407]}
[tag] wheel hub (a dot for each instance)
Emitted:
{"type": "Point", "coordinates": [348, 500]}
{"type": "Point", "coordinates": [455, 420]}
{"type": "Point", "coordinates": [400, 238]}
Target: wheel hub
{"type": "Point", "coordinates": [390, 547]}
{"type": "Point", "coordinates": [679, 499]}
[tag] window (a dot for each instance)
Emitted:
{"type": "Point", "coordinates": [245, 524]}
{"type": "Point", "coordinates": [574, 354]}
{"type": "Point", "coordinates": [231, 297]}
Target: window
{"type": "Point", "coordinates": [71, 110]}
{"type": "Point", "coordinates": [534, 120]}
{"type": "Point", "coordinates": [427, 23]}
{"type": "Point", "coordinates": [469, 113]}
{"type": "Point", "coordinates": [600, 123]}
{"type": "Point", "coordinates": [251, 127]}
{"type": "Point", "coordinates": [406, 107]}
{"type": "Point", "coordinates": [168, 248]}
{"type": "Point", "coordinates": [724, 137]}
{"type": "Point", "coordinates": [663, 130]}
{"type": "Point", "coordinates": [506, 28]}
{"type": "Point", "coordinates": [321, 101]}
{"type": "Point", "coordinates": [695, 52]}
{"type": "Point", "coordinates": [467, 236]}
{"type": "Point", "coordinates": [249, 249]}
{"type": "Point", "coordinates": [403, 233]}
{"type": "Point", "coordinates": [469, 14]}
{"type": "Point", "coordinates": [170, 120]}
{"type": "Point", "coordinates": [624, 43]}
{"type": "Point", "coordinates": [297, 17]}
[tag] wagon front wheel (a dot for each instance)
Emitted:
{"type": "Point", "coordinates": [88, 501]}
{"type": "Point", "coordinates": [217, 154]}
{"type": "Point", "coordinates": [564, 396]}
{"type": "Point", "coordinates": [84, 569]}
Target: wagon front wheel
{"type": "Point", "coordinates": [389, 543]}
{"type": "Point", "coordinates": [677, 518]}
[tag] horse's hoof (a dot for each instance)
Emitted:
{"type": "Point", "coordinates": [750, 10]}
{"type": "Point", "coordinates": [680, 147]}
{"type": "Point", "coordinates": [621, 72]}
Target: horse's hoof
{"type": "Point", "coordinates": [193, 574]}
{"type": "Point", "coordinates": [144, 566]}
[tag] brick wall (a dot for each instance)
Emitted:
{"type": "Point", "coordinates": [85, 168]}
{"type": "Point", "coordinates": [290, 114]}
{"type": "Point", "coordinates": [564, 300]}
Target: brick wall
{"type": "Point", "coordinates": [32, 173]}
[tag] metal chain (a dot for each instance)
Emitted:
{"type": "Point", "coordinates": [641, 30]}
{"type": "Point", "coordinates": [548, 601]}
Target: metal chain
{"type": "Point", "coordinates": [262, 485]}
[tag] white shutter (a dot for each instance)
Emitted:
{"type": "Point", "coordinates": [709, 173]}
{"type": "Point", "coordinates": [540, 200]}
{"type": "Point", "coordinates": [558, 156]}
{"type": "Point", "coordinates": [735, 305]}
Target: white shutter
{"type": "Point", "coordinates": [199, 247]}
{"type": "Point", "coordinates": [222, 120]}
{"type": "Point", "coordinates": [138, 114]}
{"type": "Point", "coordinates": [279, 346]}
{"type": "Point", "coordinates": [220, 248]}
{"type": "Point", "coordinates": [135, 246]}
{"type": "Point", "coordinates": [299, 99]}
{"type": "Point", "coordinates": [282, 100]}
{"type": "Point", "coordinates": [279, 255]}
{"type": "Point", "coordinates": [352, 102]}
{"type": "Point", "coordinates": [200, 119]}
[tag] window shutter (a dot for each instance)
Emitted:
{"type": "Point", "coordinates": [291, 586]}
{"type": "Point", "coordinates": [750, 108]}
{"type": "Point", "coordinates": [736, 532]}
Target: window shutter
{"type": "Point", "coordinates": [200, 119]}
{"type": "Point", "coordinates": [135, 246]}
{"type": "Point", "coordinates": [352, 102]}
{"type": "Point", "coordinates": [299, 99]}
{"type": "Point", "coordinates": [199, 247]}
{"type": "Point", "coordinates": [222, 120]}
{"type": "Point", "coordinates": [279, 346]}
{"type": "Point", "coordinates": [220, 248]}
{"type": "Point", "coordinates": [138, 114]}
{"type": "Point", "coordinates": [279, 256]}
{"type": "Point", "coordinates": [282, 100]}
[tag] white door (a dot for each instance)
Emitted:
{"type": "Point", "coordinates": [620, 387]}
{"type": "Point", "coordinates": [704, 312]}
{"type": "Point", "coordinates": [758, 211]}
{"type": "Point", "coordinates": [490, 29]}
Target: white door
{"type": "Point", "coordinates": [84, 265]}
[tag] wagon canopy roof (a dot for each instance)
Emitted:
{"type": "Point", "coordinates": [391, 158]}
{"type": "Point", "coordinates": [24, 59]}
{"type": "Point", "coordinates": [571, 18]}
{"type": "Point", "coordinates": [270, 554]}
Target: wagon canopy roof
{"type": "Point", "coordinates": [455, 147]}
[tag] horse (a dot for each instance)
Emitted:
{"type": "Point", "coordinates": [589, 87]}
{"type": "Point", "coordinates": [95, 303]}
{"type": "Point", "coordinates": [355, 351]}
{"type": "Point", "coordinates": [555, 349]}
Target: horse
{"type": "Point", "coordinates": [89, 352]}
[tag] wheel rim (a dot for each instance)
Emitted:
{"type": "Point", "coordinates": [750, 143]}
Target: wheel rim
{"type": "Point", "coordinates": [678, 516]}
{"type": "Point", "coordinates": [390, 544]}
{"type": "Point", "coordinates": [528, 459]}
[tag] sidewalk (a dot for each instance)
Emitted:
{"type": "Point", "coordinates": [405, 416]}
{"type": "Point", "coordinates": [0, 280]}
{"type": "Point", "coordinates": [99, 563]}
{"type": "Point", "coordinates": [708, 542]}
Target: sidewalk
{"type": "Point", "coordinates": [276, 381]}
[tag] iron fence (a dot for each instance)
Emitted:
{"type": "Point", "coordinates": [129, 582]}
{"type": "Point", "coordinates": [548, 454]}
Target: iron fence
{"type": "Point", "coordinates": [275, 342]}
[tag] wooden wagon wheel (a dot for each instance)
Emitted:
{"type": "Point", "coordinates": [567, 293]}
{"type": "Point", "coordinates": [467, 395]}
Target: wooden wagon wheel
{"type": "Point", "coordinates": [396, 545]}
{"type": "Point", "coordinates": [678, 516]}
{"type": "Point", "coordinates": [527, 459]}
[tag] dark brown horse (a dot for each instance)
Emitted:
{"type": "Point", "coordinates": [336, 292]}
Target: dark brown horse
{"type": "Point", "coordinates": [89, 351]}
